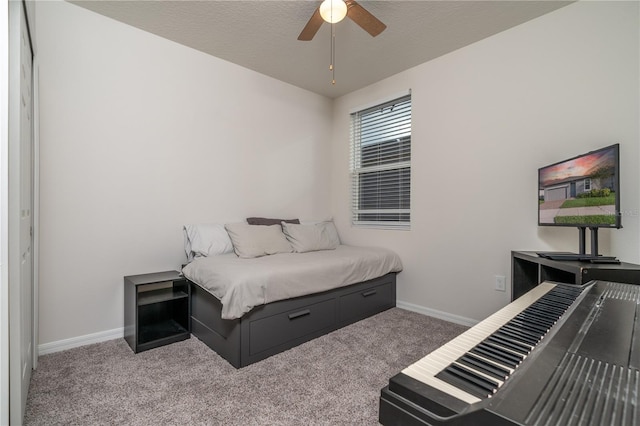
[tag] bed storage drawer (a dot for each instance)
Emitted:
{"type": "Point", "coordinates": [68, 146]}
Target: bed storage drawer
{"type": "Point", "coordinates": [270, 329]}
{"type": "Point", "coordinates": [362, 303]}
{"type": "Point", "coordinates": [276, 330]}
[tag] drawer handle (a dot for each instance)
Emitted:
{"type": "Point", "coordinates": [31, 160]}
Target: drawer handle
{"type": "Point", "coordinates": [369, 293]}
{"type": "Point", "coordinates": [299, 314]}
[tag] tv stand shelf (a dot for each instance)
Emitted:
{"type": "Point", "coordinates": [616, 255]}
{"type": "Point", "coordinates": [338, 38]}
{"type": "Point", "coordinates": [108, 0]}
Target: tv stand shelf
{"type": "Point", "coordinates": [528, 270]}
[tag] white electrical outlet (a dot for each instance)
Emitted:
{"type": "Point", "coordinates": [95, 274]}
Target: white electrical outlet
{"type": "Point", "coordinates": [501, 283]}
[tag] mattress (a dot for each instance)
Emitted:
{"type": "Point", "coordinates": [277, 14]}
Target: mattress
{"type": "Point", "coordinates": [242, 284]}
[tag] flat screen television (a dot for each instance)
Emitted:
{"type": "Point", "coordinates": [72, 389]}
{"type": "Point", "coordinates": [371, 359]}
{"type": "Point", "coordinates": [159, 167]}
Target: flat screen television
{"type": "Point", "coordinates": [582, 192]}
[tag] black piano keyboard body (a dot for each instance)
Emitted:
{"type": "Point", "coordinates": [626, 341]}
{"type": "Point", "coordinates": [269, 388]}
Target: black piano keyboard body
{"type": "Point", "coordinates": [560, 355]}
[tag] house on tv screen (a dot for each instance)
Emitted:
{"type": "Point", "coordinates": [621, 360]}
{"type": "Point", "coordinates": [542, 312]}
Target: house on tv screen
{"type": "Point", "coordinates": [574, 186]}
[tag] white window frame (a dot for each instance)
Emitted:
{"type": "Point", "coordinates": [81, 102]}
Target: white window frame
{"type": "Point", "coordinates": [357, 169]}
{"type": "Point", "coordinates": [587, 184]}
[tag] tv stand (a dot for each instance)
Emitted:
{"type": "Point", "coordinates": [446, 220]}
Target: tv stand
{"type": "Point", "coordinates": [528, 269]}
{"type": "Point", "coordinates": [577, 257]}
{"type": "Point", "coordinates": [605, 260]}
{"type": "Point", "coordinates": [582, 245]}
{"type": "Point", "coordinates": [582, 255]}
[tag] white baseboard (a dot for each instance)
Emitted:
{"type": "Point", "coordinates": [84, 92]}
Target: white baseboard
{"type": "Point", "coordinates": [117, 333]}
{"type": "Point", "coordinates": [436, 314]}
{"type": "Point", "coordinates": [74, 342]}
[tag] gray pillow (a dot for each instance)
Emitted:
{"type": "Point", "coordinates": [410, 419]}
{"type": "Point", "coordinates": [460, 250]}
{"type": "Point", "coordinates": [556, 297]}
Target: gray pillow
{"type": "Point", "coordinates": [313, 237]}
{"type": "Point", "coordinates": [207, 239]}
{"type": "Point", "coordinates": [255, 241]}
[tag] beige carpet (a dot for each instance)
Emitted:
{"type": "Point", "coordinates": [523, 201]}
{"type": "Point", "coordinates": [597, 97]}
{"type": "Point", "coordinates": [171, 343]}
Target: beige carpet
{"type": "Point", "coordinates": [333, 380]}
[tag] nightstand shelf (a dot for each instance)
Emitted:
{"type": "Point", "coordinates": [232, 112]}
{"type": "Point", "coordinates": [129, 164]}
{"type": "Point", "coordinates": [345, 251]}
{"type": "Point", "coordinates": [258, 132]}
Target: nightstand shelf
{"type": "Point", "coordinates": [162, 295]}
{"type": "Point", "coordinates": [157, 310]}
{"type": "Point", "coordinates": [161, 330]}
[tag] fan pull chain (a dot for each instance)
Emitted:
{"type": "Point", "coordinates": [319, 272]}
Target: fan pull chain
{"type": "Point", "coordinates": [332, 62]}
{"type": "Point", "coordinates": [331, 50]}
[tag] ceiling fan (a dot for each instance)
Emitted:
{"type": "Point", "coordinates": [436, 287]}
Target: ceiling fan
{"type": "Point", "coordinates": [333, 11]}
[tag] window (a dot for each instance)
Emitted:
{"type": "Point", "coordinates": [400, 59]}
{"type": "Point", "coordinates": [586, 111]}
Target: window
{"type": "Point", "coordinates": [381, 165]}
{"type": "Point", "coordinates": [587, 184]}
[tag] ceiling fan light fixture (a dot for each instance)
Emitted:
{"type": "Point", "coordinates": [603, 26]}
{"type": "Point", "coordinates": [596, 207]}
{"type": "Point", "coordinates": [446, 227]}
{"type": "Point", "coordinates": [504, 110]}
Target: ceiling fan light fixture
{"type": "Point", "coordinates": [333, 11]}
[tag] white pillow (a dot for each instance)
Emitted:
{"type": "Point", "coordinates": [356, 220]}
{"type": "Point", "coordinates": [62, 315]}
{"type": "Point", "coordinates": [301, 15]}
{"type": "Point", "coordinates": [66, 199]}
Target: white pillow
{"type": "Point", "coordinates": [313, 237]}
{"type": "Point", "coordinates": [206, 240]}
{"type": "Point", "coordinates": [257, 240]}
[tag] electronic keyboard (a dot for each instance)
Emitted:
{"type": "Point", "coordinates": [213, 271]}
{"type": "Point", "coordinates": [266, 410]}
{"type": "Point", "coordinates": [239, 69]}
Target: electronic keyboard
{"type": "Point", "coordinates": [559, 355]}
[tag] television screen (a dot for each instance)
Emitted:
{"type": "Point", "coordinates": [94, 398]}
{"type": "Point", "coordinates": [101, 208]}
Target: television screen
{"type": "Point", "coordinates": [583, 191]}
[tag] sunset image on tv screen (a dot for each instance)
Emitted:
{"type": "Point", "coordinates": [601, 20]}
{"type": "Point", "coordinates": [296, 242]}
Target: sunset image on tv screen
{"type": "Point", "coordinates": [581, 191]}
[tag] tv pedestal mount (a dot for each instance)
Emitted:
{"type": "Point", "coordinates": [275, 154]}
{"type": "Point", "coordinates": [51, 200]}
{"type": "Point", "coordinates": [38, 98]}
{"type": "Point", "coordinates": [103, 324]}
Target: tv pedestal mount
{"type": "Point", "coordinates": [582, 256]}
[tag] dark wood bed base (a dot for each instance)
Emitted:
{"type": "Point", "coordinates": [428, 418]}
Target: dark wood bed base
{"type": "Point", "coordinates": [270, 329]}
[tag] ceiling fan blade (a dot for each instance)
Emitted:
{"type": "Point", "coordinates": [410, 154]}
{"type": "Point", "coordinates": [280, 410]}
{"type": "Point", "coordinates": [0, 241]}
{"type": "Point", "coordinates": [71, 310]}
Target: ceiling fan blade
{"type": "Point", "coordinates": [312, 26]}
{"type": "Point", "coordinates": [362, 17]}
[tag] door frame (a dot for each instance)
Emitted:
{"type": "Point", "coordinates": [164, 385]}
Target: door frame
{"type": "Point", "coordinates": [35, 192]}
{"type": "Point", "coordinates": [4, 221]}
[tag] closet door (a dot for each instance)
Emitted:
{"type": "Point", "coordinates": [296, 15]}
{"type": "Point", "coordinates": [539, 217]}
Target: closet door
{"type": "Point", "coordinates": [21, 348]}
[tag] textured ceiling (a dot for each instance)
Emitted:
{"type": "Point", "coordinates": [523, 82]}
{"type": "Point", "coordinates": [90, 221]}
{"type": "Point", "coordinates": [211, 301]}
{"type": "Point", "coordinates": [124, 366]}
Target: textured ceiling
{"type": "Point", "coordinates": [262, 35]}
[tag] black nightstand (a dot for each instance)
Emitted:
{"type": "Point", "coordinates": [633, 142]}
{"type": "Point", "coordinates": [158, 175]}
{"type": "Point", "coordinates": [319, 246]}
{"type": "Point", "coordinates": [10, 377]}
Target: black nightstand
{"type": "Point", "coordinates": [156, 310]}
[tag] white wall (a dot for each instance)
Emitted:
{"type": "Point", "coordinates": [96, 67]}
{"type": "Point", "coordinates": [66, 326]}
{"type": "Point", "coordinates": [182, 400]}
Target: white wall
{"type": "Point", "coordinates": [140, 135]}
{"type": "Point", "coordinates": [485, 118]}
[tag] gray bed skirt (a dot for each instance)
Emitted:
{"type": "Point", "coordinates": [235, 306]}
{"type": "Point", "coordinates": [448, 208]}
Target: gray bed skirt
{"type": "Point", "coordinates": [270, 329]}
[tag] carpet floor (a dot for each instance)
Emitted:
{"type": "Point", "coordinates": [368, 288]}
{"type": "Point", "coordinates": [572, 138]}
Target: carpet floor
{"type": "Point", "coordinates": [333, 380]}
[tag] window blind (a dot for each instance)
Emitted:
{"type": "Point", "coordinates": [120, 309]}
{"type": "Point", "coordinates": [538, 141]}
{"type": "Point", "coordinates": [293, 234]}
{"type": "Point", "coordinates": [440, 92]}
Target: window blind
{"type": "Point", "coordinates": [381, 164]}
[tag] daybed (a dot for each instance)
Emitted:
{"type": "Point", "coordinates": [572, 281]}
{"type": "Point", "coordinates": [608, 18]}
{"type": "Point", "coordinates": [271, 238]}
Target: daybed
{"type": "Point", "coordinates": [247, 308]}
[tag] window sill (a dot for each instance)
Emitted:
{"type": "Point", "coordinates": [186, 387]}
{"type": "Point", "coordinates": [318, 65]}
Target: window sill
{"type": "Point", "coordinates": [395, 227]}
